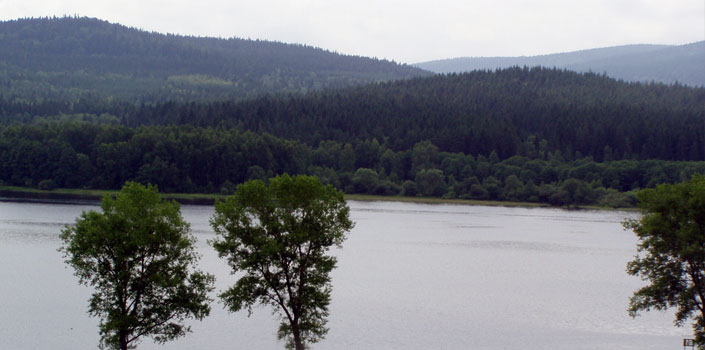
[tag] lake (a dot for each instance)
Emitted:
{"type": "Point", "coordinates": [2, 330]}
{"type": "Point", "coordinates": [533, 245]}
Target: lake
{"type": "Point", "coordinates": [410, 276]}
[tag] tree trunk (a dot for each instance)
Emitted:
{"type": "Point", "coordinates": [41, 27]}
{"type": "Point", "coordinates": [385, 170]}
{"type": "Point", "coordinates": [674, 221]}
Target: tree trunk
{"type": "Point", "coordinates": [298, 343]}
{"type": "Point", "coordinates": [123, 339]}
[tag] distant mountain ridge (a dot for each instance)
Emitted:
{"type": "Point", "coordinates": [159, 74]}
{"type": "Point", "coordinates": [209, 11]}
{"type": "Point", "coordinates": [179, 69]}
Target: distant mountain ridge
{"type": "Point", "coordinates": [668, 64]}
{"type": "Point", "coordinates": [69, 57]}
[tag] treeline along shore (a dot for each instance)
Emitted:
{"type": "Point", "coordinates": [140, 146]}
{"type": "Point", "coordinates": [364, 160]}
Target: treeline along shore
{"type": "Point", "coordinates": [210, 160]}
{"type": "Point", "coordinates": [520, 134]}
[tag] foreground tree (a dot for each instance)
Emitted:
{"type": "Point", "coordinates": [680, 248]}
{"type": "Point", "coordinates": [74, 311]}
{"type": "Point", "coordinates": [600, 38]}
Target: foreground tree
{"type": "Point", "coordinates": [672, 252]}
{"type": "Point", "coordinates": [139, 256]}
{"type": "Point", "coordinates": [278, 236]}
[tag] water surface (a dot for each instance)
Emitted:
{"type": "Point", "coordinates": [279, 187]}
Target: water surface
{"type": "Point", "coordinates": [410, 276]}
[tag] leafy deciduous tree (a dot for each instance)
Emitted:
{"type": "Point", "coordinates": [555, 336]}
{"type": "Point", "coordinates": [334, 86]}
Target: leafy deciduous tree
{"type": "Point", "coordinates": [139, 255]}
{"type": "Point", "coordinates": [278, 236]}
{"type": "Point", "coordinates": [672, 252]}
{"type": "Point", "coordinates": [365, 180]}
{"type": "Point", "coordinates": [431, 182]}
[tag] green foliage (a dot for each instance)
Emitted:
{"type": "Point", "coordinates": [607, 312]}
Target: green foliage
{"type": "Point", "coordinates": [278, 236]}
{"type": "Point", "coordinates": [614, 199]}
{"type": "Point", "coordinates": [430, 182]}
{"type": "Point", "coordinates": [227, 188]}
{"type": "Point", "coordinates": [409, 188]}
{"type": "Point", "coordinates": [513, 188]}
{"type": "Point", "coordinates": [577, 192]}
{"type": "Point", "coordinates": [424, 155]}
{"type": "Point", "coordinates": [209, 160]}
{"type": "Point", "coordinates": [632, 136]}
{"type": "Point", "coordinates": [70, 59]}
{"type": "Point", "coordinates": [492, 185]}
{"type": "Point", "coordinates": [139, 256]}
{"type": "Point", "coordinates": [387, 188]}
{"type": "Point", "coordinates": [365, 180]}
{"type": "Point", "coordinates": [546, 113]}
{"type": "Point", "coordinates": [672, 252]}
{"type": "Point", "coordinates": [477, 191]}
{"type": "Point", "coordinates": [46, 185]}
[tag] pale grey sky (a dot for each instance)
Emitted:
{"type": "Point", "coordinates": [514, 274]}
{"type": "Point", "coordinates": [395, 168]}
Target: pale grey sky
{"type": "Point", "coordinates": [408, 31]}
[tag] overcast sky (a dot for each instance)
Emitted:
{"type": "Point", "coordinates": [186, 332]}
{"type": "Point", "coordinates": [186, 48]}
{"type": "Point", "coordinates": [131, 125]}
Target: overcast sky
{"type": "Point", "coordinates": [407, 31]}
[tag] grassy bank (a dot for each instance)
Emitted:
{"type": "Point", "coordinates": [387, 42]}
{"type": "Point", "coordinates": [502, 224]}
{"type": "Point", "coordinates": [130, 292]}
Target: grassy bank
{"type": "Point", "coordinates": [431, 200]}
{"type": "Point", "coordinates": [73, 195]}
{"type": "Point", "coordinates": [434, 200]}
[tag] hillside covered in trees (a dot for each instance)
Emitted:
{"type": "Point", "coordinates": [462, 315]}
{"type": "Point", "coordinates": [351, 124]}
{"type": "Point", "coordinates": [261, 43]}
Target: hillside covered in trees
{"type": "Point", "coordinates": [472, 113]}
{"type": "Point", "coordinates": [537, 135]}
{"type": "Point", "coordinates": [71, 58]}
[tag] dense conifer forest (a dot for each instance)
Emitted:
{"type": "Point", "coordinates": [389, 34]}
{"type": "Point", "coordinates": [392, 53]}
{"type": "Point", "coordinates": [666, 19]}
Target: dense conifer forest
{"type": "Point", "coordinates": [72, 58]}
{"type": "Point", "coordinates": [581, 114]}
{"type": "Point", "coordinates": [519, 134]}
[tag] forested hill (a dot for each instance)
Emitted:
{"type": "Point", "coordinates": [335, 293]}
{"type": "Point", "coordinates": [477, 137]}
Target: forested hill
{"type": "Point", "coordinates": [577, 114]}
{"type": "Point", "coordinates": [645, 63]}
{"type": "Point", "coordinates": [70, 58]}
{"type": "Point", "coordinates": [476, 113]}
{"type": "Point", "coordinates": [538, 135]}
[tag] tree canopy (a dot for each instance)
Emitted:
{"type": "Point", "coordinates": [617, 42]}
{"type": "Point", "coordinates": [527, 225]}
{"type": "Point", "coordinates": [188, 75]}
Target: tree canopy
{"type": "Point", "coordinates": [139, 256]}
{"type": "Point", "coordinates": [73, 58]}
{"type": "Point", "coordinates": [458, 136]}
{"type": "Point", "coordinates": [509, 112]}
{"type": "Point", "coordinates": [672, 252]}
{"type": "Point", "coordinates": [278, 236]}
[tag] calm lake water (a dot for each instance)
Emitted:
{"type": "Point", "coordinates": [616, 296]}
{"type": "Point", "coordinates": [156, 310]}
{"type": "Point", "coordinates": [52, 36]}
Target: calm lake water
{"type": "Point", "coordinates": [410, 276]}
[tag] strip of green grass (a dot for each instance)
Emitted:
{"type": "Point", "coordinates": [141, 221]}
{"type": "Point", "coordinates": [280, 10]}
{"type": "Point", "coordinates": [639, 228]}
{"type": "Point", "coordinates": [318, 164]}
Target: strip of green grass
{"type": "Point", "coordinates": [80, 192]}
{"type": "Point", "coordinates": [70, 194]}
{"type": "Point", "coordinates": [433, 200]}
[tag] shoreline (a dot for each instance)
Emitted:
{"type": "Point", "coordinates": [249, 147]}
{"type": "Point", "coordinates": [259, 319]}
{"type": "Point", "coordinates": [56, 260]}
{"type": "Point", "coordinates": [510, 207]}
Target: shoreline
{"type": "Point", "coordinates": [25, 194]}
{"type": "Point", "coordinates": [84, 196]}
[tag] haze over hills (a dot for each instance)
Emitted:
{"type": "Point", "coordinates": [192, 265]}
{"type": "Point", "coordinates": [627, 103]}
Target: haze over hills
{"type": "Point", "coordinates": [68, 58]}
{"type": "Point", "coordinates": [637, 63]}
